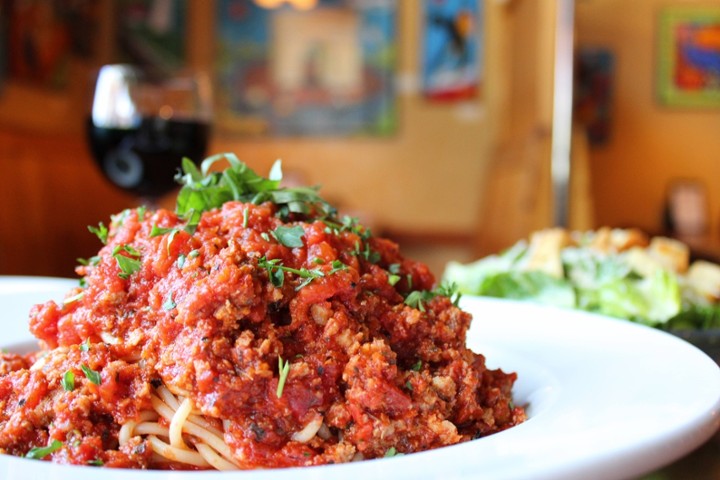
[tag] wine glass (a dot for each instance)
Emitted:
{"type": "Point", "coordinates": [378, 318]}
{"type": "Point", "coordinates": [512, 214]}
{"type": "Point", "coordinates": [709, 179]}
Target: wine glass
{"type": "Point", "coordinates": [141, 126]}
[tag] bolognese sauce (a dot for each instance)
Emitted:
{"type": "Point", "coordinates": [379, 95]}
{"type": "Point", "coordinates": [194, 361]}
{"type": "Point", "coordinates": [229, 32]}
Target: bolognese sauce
{"type": "Point", "coordinates": [247, 333]}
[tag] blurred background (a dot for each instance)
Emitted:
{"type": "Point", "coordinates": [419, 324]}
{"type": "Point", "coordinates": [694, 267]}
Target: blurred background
{"type": "Point", "coordinates": [432, 121]}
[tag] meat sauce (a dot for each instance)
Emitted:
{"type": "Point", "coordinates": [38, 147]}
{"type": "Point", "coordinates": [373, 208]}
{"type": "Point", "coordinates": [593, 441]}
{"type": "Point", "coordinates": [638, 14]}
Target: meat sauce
{"type": "Point", "coordinates": [213, 313]}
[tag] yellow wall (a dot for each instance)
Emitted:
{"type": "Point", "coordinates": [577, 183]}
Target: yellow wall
{"type": "Point", "coordinates": [650, 144]}
{"type": "Point", "coordinates": [423, 179]}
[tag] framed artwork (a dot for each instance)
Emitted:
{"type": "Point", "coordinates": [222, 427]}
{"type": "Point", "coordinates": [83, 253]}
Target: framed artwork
{"type": "Point", "coordinates": [689, 57]}
{"type": "Point", "coordinates": [594, 68]}
{"type": "Point", "coordinates": [452, 49]}
{"type": "Point", "coordinates": [152, 33]}
{"type": "Point", "coordinates": [43, 36]}
{"type": "Point", "coordinates": [306, 67]}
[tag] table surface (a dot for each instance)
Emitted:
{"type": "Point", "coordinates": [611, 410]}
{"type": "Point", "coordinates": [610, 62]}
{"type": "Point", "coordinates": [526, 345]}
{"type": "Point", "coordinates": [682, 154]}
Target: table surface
{"type": "Point", "coordinates": [701, 464]}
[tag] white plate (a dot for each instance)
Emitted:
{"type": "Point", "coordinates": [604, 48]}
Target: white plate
{"type": "Point", "coordinates": [607, 399]}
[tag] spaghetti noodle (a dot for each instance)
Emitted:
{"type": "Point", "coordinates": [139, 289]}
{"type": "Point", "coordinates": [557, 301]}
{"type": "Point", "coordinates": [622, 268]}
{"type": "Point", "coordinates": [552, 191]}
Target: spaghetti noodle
{"type": "Point", "coordinates": [265, 332]}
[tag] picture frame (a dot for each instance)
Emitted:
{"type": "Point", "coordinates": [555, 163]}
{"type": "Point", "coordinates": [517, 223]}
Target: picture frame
{"type": "Point", "coordinates": [152, 33]}
{"type": "Point", "coordinates": [323, 71]}
{"type": "Point", "coordinates": [688, 63]}
{"type": "Point", "coordinates": [594, 78]}
{"type": "Point", "coordinates": [452, 55]}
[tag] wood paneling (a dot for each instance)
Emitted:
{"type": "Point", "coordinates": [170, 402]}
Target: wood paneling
{"type": "Point", "coordinates": [49, 193]}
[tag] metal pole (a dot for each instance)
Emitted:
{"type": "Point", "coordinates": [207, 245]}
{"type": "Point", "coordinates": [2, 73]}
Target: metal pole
{"type": "Point", "coordinates": [562, 111]}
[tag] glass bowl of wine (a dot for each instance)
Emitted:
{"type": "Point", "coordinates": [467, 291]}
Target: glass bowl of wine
{"type": "Point", "coordinates": [142, 125]}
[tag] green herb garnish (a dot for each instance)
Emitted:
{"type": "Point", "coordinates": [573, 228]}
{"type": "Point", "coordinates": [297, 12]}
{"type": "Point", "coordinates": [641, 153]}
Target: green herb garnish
{"type": "Point", "coordinates": [418, 298]}
{"type": "Point", "coordinates": [203, 190]}
{"type": "Point", "coordinates": [157, 231]}
{"type": "Point", "coordinates": [450, 290]}
{"type": "Point", "coordinates": [38, 453]}
{"type": "Point", "coordinates": [392, 452]}
{"type": "Point", "coordinates": [91, 374]}
{"type": "Point", "coordinates": [169, 303]}
{"type": "Point", "coordinates": [74, 298]}
{"type": "Point", "coordinates": [276, 272]}
{"type": "Point", "coordinates": [129, 263]}
{"type": "Point", "coordinates": [68, 381]}
{"type": "Point", "coordinates": [337, 266]}
{"type": "Point", "coordinates": [101, 231]}
{"type": "Point", "coordinates": [283, 370]}
{"type": "Point", "coordinates": [92, 261]}
{"type": "Point", "coordinates": [289, 236]}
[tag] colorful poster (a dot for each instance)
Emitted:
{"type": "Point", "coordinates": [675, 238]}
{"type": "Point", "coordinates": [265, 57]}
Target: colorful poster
{"type": "Point", "coordinates": [39, 40]}
{"type": "Point", "coordinates": [326, 69]}
{"type": "Point", "coordinates": [594, 68]}
{"type": "Point", "coordinates": [452, 49]}
{"type": "Point", "coordinates": [152, 33]}
{"type": "Point", "coordinates": [689, 57]}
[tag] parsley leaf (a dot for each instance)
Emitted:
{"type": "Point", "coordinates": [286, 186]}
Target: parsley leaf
{"type": "Point", "coordinates": [101, 231]}
{"type": "Point", "coordinates": [129, 263]}
{"type": "Point", "coordinates": [169, 303]}
{"type": "Point", "coordinates": [203, 190]}
{"type": "Point", "coordinates": [68, 381]}
{"type": "Point", "coordinates": [91, 374]}
{"type": "Point", "coordinates": [283, 370]}
{"type": "Point", "coordinates": [392, 452]}
{"type": "Point", "coordinates": [157, 231]}
{"type": "Point", "coordinates": [38, 453]}
{"type": "Point", "coordinates": [276, 272]}
{"type": "Point", "coordinates": [418, 298]}
{"type": "Point", "coordinates": [289, 236]}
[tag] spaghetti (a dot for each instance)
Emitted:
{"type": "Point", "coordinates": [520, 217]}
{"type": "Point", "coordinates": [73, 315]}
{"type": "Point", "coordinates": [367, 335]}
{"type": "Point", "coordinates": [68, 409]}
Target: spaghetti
{"type": "Point", "coordinates": [208, 448]}
{"type": "Point", "coordinates": [265, 332]}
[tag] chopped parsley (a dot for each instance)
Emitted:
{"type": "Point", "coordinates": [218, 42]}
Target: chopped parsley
{"type": "Point", "coordinates": [91, 374]}
{"type": "Point", "coordinates": [38, 453]}
{"type": "Point", "coordinates": [283, 370]}
{"type": "Point", "coordinates": [203, 190]}
{"type": "Point", "coordinates": [337, 266]}
{"type": "Point", "coordinates": [418, 298]}
{"type": "Point", "coordinates": [157, 231]}
{"type": "Point", "coordinates": [289, 236]}
{"type": "Point", "coordinates": [393, 271]}
{"type": "Point", "coordinates": [276, 272]}
{"type": "Point", "coordinates": [74, 298]}
{"type": "Point", "coordinates": [92, 261]}
{"type": "Point", "coordinates": [392, 452]}
{"type": "Point", "coordinates": [169, 303]}
{"type": "Point", "coordinates": [101, 231]}
{"type": "Point", "coordinates": [68, 381]}
{"type": "Point", "coordinates": [128, 259]}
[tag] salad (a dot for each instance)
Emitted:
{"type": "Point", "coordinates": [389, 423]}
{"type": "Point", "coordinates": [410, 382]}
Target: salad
{"type": "Point", "coordinates": [618, 272]}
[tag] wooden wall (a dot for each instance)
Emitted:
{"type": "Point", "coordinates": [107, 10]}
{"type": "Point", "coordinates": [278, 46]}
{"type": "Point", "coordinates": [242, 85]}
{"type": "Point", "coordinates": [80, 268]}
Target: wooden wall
{"type": "Point", "coordinates": [650, 144]}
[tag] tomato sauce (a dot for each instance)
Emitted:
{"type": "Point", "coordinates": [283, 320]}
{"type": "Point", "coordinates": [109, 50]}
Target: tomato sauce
{"type": "Point", "coordinates": [212, 313]}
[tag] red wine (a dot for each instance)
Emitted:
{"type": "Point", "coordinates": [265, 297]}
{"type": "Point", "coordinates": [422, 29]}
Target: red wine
{"type": "Point", "coordinates": [144, 160]}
